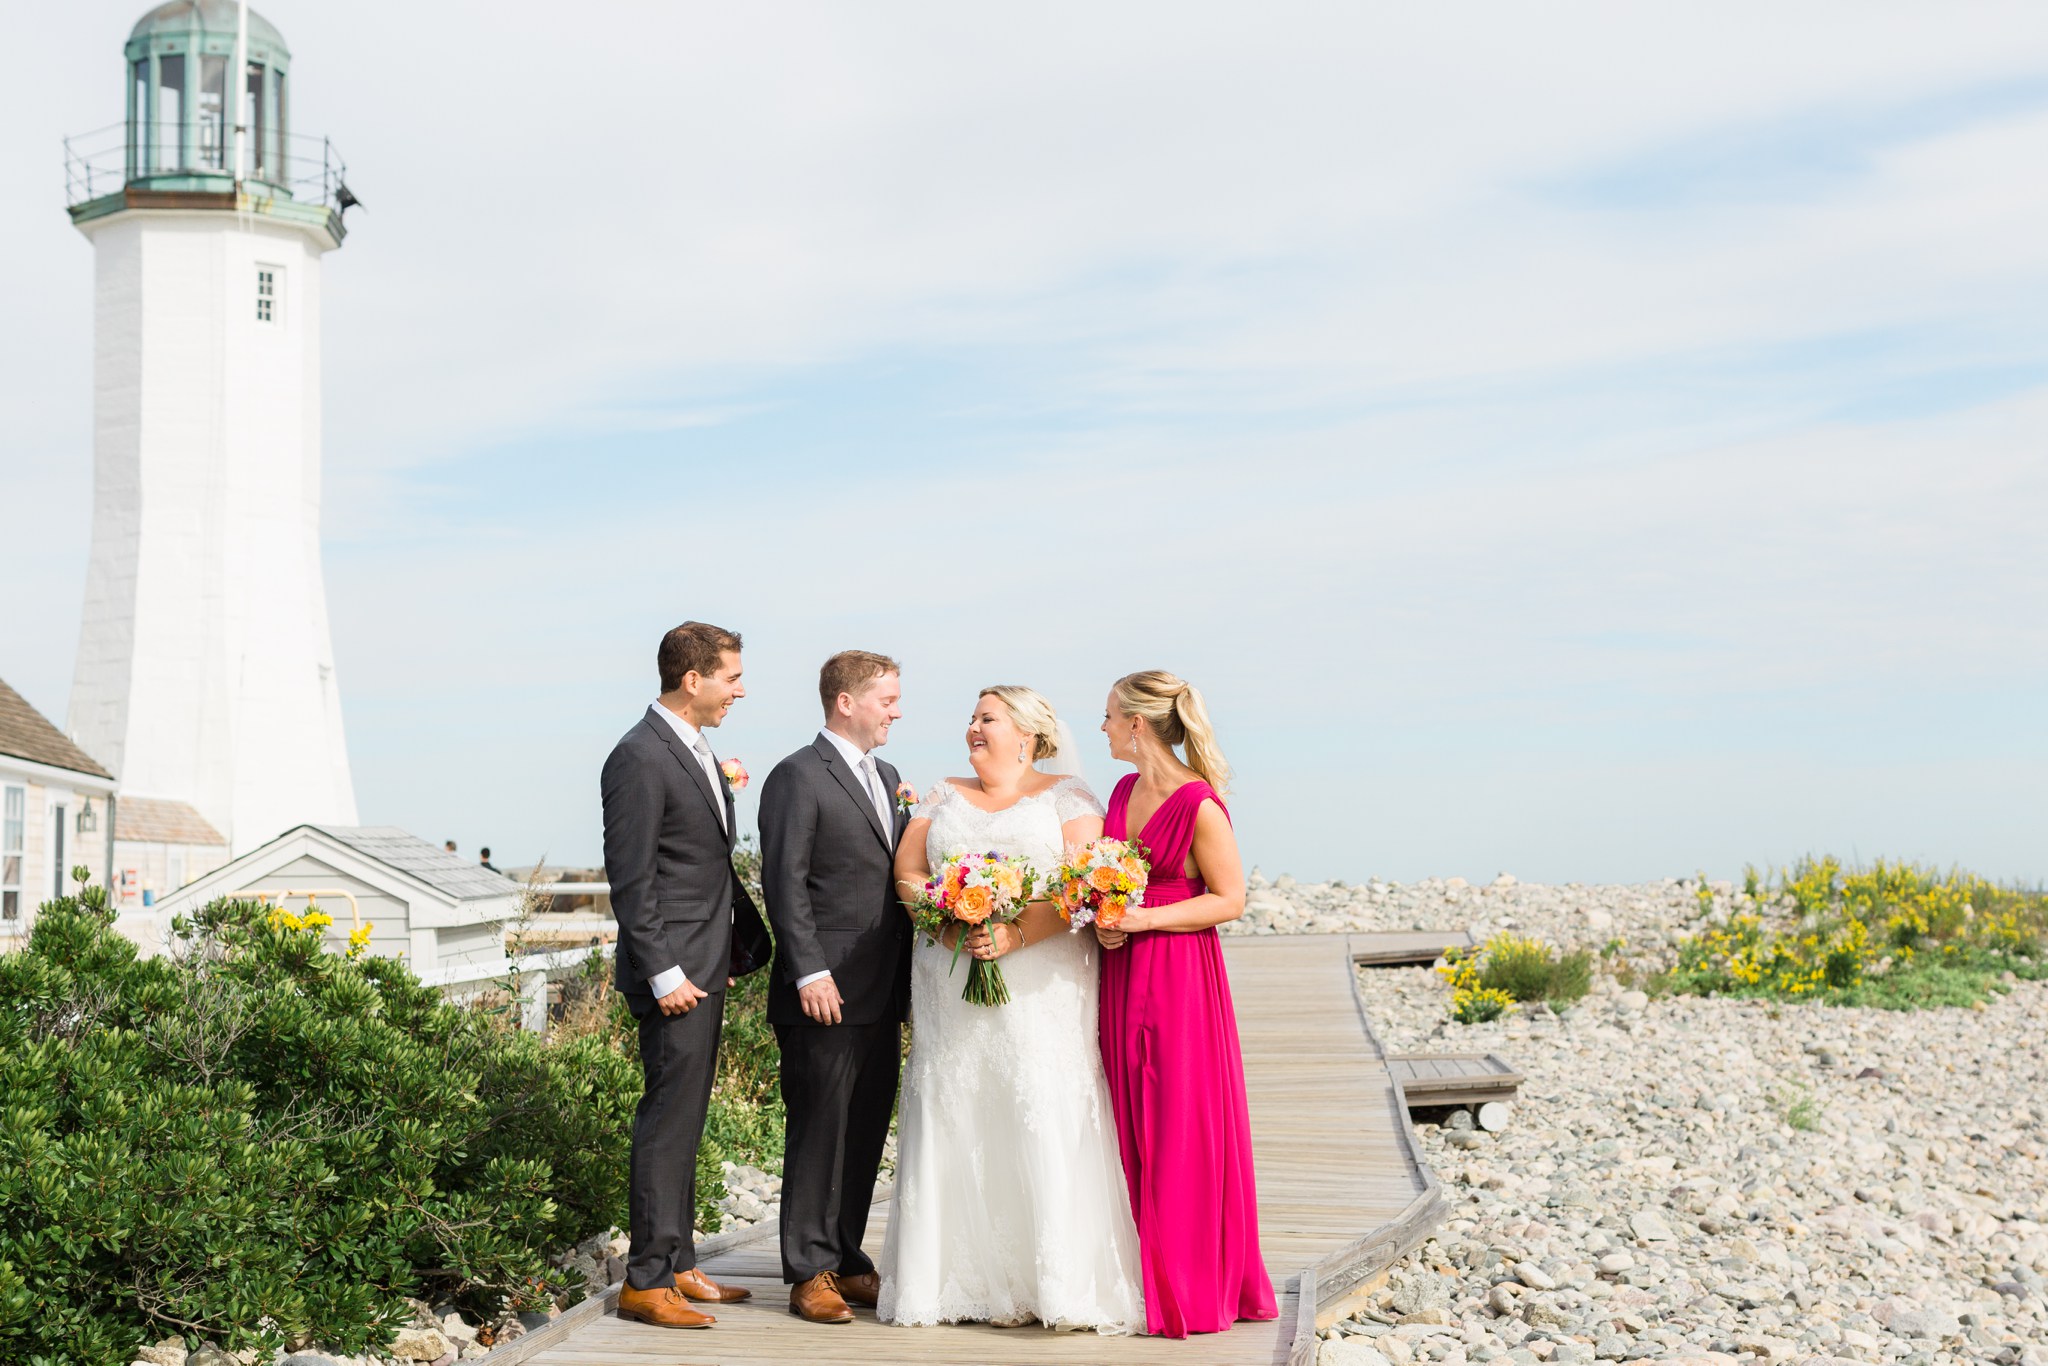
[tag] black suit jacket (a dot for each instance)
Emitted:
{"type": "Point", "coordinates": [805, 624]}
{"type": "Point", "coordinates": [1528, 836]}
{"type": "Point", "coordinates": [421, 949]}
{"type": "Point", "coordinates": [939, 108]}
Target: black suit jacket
{"type": "Point", "coordinates": [677, 899]}
{"type": "Point", "coordinates": [828, 875]}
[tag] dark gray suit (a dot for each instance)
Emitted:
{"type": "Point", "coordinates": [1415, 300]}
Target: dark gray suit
{"type": "Point", "coordinates": [679, 904]}
{"type": "Point", "coordinates": [827, 875]}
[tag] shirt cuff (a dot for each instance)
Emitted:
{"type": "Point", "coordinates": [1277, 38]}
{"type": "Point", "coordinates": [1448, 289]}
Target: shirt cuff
{"type": "Point", "coordinates": [662, 983]}
{"type": "Point", "coordinates": [811, 977]}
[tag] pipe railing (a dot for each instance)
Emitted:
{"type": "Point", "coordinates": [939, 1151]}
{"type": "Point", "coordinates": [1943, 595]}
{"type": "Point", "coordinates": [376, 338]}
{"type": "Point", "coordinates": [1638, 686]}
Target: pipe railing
{"type": "Point", "coordinates": [105, 161]}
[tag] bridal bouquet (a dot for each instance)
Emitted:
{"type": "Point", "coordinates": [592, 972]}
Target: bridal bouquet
{"type": "Point", "coordinates": [1099, 881]}
{"type": "Point", "coordinates": [975, 889]}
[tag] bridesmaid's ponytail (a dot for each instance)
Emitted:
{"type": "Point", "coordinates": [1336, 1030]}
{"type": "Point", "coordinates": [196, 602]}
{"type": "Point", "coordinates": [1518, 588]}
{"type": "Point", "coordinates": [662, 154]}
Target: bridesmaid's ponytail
{"type": "Point", "coordinates": [1205, 756]}
{"type": "Point", "coordinates": [1173, 707]}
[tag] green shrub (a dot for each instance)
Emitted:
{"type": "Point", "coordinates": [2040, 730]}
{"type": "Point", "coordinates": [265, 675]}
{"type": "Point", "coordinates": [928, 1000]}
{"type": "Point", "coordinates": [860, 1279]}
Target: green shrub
{"type": "Point", "coordinates": [1509, 968]}
{"type": "Point", "coordinates": [258, 1141]}
{"type": "Point", "coordinates": [1522, 970]}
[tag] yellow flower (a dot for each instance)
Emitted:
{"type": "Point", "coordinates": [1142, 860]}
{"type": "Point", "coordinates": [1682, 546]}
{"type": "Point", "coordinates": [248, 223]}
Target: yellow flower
{"type": "Point", "coordinates": [359, 939]}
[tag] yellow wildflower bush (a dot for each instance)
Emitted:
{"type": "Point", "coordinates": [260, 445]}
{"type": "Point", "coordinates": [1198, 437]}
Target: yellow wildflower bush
{"type": "Point", "coordinates": [1849, 928]}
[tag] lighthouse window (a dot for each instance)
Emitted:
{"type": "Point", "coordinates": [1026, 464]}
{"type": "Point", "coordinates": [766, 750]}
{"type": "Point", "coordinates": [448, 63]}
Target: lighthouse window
{"type": "Point", "coordinates": [138, 130]}
{"type": "Point", "coordinates": [252, 116]}
{"type": "Point", "coordinates": [281, 166]}
{"type": "Point", "coordinates": [266, 293]}
{"type": "Point", "coordinates": [170, 112]}
{"type": "Point", "coordinates": [210, 131]}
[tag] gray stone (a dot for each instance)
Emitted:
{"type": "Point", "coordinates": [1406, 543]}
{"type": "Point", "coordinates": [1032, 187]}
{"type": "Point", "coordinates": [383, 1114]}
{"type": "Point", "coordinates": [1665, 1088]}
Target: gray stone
{"type": "Point", "coordinates": [1534, 1276]}
{"type": "Point", "coordinates": [1349, 1351]}
{"type": "Point", "coordinates": [420, 1344]}
{"type": "Point", "coordinates": [1650, 1226]}
{"type": "Point", "coordinates": [169, 1352]}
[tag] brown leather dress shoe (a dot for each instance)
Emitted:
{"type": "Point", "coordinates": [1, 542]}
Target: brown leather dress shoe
{"type": "Point", "coordinates": [697, 1286]}
{"type": "Point", "coordinates": [864, 1290]}
{"type": "Point", "coordinates": [665, 1308]}
{"type": "Point", "coordinates": [818, 1300]}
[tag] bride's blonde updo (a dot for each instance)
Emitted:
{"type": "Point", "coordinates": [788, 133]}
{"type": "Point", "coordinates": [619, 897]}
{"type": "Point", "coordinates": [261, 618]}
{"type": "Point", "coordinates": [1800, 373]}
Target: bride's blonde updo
{"type": "Point", "coordinates": [1033, 715]}
{"type": "Point", "coordinates": [1172, 706]}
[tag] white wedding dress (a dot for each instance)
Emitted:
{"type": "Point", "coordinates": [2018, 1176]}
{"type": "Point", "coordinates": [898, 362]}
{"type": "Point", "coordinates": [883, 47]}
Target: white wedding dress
{"type": "Point", "coordinates": [1010, 1200]}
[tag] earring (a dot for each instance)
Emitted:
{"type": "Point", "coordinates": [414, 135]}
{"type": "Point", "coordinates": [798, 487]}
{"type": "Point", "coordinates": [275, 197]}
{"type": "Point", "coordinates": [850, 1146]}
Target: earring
{"type": "Point", "coordinates": [1020, 753]}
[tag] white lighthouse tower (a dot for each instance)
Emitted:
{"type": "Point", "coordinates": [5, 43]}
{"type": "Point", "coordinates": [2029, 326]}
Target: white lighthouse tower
{"type": "Point", "coordinates": [205, 671]}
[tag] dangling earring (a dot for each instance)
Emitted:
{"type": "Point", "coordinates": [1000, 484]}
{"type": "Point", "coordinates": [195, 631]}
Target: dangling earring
{"type": "Point", "coordinates": [1134, 744]}
{"type": "Point", "coordinates": [1020, 753]}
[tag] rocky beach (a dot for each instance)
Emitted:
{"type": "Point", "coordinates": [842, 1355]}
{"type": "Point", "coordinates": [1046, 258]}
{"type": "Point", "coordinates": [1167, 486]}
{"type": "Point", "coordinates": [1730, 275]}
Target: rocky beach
{"type": "Point", "coordinates": [1703, 1180]}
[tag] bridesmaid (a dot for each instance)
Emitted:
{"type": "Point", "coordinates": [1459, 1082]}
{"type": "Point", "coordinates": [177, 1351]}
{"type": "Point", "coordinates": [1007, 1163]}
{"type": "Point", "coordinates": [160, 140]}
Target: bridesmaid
{"type": "Point", "coordinates": [1169, 1033]}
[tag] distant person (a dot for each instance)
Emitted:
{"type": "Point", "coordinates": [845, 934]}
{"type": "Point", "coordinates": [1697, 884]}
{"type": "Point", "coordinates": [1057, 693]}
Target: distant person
{"type": "Point", "coordinates": [686, 928]}
{"type": "Point", "coordinates": [449, 845]}
{"type": "Point", "coordinates": [484, 859]}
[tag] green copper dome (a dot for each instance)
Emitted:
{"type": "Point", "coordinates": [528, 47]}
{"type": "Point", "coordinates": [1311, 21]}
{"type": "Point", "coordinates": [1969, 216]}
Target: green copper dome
{"type": "Point", "coordinates": [215, 19]}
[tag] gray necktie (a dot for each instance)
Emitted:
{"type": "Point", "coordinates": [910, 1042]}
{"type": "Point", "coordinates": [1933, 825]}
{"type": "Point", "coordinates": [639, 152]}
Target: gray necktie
{"type": "Point", "coordinates": [703, 748]}
{"type": "Point", "coordinates": [873, 777]}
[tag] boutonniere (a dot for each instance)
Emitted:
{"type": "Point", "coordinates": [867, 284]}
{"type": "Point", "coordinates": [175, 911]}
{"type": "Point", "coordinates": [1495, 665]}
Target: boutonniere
{"type": "Point", "coordinates": [906, 797]}
{"type": "Point", "coordinates": [735, 774]}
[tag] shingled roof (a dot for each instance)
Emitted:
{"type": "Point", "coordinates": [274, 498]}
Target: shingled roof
{"type": "Point", "coordinates": [447, 873]}
{"type": "Point", "coordinates": [158, 820]}
{"type": "Point", "coordinates": [25, 734]}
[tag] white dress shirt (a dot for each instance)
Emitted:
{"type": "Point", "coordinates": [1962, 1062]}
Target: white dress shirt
{"type": "Point", "coordinates": [668, 979]}
{"type": "Point", "coordinates": [856, 758]}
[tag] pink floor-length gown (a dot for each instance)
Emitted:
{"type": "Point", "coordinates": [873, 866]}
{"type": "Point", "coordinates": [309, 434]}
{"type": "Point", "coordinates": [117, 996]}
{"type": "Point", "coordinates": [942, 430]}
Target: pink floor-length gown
{"type": "Point", "coordinates": [1176, 1083]}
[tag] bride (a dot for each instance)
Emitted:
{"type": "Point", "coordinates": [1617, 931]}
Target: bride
{"type": "Point", "coordinates": [1010, 1203]}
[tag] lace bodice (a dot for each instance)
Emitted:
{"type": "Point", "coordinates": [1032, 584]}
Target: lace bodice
{"type": "Point", "coordinates": [1028, 828]}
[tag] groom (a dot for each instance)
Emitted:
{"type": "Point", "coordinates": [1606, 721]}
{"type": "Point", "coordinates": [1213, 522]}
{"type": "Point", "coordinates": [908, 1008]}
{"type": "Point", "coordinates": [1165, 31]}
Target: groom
{"type": "Point", "coordinates": [841, 985]}
{"type": "Point", "coordinates": [686, 924]}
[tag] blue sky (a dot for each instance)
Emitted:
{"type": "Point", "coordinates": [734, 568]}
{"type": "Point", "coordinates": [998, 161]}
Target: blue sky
{"type": "Point", "coordinates": [1602, 442]}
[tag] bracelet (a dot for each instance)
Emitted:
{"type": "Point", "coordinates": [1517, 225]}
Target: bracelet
{"type": "Point", "coordinates": [1022, 942]}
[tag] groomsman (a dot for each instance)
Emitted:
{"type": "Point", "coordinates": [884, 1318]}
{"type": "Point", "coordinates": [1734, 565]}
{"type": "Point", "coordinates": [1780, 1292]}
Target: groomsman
{"type": "Point", "coordinates": [840, 989]}
{"type": "Point", "coordinates": [686, 925]}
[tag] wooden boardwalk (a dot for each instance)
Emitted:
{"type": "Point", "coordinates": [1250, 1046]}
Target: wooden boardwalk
{"type": "Point", "coordinates": [1454, 1078]}
{"type": "Point", "coordinates": [1343, 1194]}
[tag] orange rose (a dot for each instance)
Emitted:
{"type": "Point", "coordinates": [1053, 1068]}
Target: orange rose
{"type": "Point", "coordinates": [1103, 879]}
{"type": "Point", "coordinates": [954, 877]}
{"type": "Point", "coordinates": [1077, 891]}
{"type": "Point", "coordinates": [1110, 914]}
{"type": "Point", "coordinates": [1134, 869]}
{"type": "Point", "coordinates": [974, 905]}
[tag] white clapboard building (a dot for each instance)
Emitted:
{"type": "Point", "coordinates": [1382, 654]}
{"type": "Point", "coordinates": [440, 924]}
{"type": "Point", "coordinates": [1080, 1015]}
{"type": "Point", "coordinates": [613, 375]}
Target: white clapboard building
{"type": "Point", "coordinates": [441, 913]}
{"type": "Point", "coordinates": [55, 814]}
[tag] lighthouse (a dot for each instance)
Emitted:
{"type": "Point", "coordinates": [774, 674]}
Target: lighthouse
{"type": "Point", "coordinates": [205, 672]}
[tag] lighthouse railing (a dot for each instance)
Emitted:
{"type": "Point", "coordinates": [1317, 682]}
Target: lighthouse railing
{"type": "Point", "coordinates": [103, 162]}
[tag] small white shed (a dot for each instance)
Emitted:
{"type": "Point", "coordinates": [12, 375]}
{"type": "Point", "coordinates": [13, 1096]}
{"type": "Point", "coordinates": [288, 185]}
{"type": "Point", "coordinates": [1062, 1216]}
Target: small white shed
{"type": "Point", "coordinates": [441, 913]}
